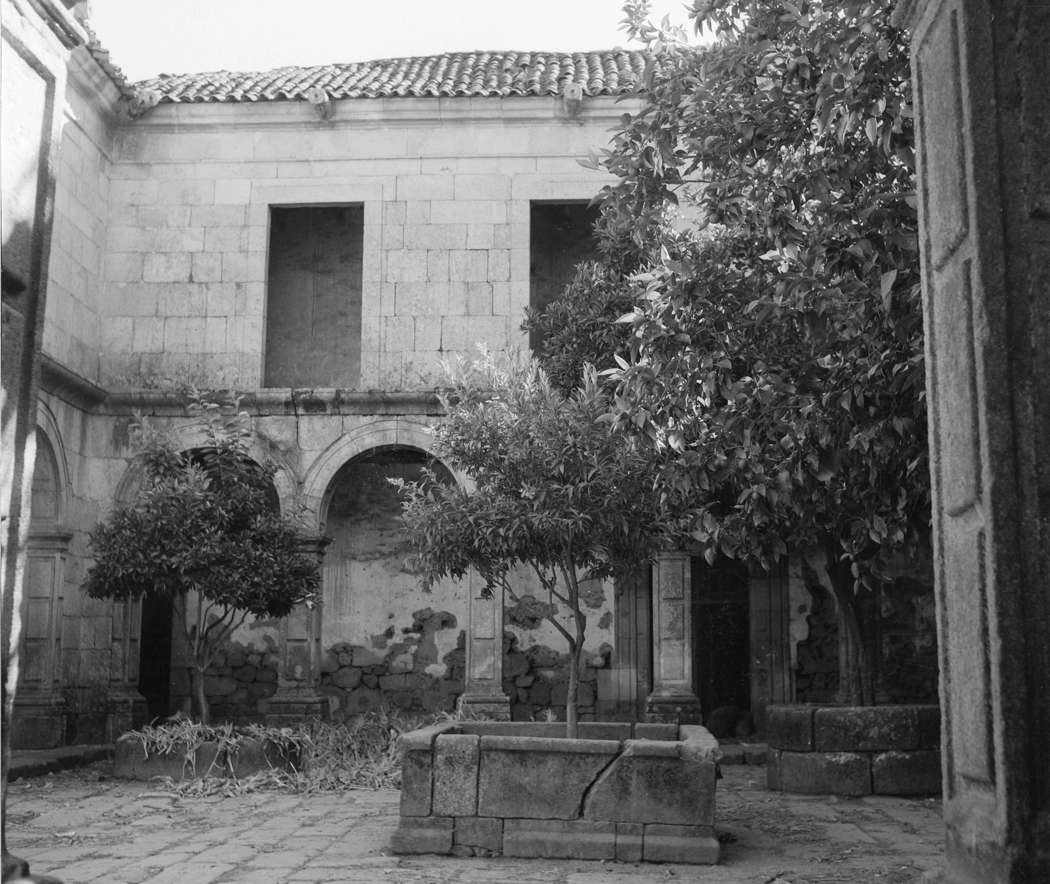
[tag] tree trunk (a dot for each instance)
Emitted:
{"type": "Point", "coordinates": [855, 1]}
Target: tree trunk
{"type": "Point", "coordinates": [579, 619]}
{"type": "Point", "coordinates": [198, 693]}
{"type": "Point", "coordinates": [856, 683]}
{"type": "Point", "coordinates": [572, 694]}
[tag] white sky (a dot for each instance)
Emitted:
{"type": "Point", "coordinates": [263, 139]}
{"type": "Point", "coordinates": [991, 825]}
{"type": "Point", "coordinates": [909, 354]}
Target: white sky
{"type": "Point", "coordinates": [148, 37]}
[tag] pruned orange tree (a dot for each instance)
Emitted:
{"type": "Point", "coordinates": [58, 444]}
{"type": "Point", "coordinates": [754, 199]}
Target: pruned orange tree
{"type": "Point", "coordinates": [203, 531]}
{"type": "Point", "coordinates": [551, 489]}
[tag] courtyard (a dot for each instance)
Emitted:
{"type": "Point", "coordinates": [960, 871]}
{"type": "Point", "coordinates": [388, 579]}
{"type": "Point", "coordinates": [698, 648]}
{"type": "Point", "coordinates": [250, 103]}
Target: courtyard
{"type": "Point", "coordinates": [82, 825]}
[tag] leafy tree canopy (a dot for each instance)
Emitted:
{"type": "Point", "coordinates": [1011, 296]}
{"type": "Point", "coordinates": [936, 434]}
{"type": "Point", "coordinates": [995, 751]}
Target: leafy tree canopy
{"type": "Point", "coordinates": [775, 355]}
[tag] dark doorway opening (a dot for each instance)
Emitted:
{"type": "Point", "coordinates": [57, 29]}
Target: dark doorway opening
{"type": "Point", "coordinates": [721, 635]}
{"type": "Point", "coordinates": [155, 656]}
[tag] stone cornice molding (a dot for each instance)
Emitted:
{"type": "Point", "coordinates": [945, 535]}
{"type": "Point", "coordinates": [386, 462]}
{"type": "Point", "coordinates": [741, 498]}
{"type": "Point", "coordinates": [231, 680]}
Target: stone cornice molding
{"type": "Point", "coordinates": [66, 384]}
{"type": "Point", "coordinates": [357, 113]}
{"type": "Point", "coordinates": [285, 402]}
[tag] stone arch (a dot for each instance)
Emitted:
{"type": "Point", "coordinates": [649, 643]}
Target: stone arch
{"type": "Point", "coordinates": [39, 721]}
{"type": "Point", "coordinates": [155, 641]}
{"type": "Point", "coordinates": [52, 455]}
{"type": "Point", "coordinates": [397, 432]}
{"type": "Point", "coordinates": [48, 499]}
{"type": "Point", "coordinates": [191, 436]}
{"type": "Point", "coordinates": [384, 639]}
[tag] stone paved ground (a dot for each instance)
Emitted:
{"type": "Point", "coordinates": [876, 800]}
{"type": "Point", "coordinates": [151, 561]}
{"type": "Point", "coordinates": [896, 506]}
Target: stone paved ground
{"type": "Point", "coordinates": [85, 827]}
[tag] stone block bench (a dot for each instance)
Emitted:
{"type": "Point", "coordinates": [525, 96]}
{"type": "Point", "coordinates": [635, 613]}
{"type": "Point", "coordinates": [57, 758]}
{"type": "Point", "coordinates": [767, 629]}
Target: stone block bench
{"type": "Point", "coordinates": [854, 750]}
{"type": "Point", "coordinates": [633, 793]}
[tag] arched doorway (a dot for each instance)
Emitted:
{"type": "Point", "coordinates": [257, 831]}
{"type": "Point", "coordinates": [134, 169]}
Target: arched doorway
{"type": "Point", "coordinates": [164, 659]}
{"type": "Point", "coordinates": [384, 640]}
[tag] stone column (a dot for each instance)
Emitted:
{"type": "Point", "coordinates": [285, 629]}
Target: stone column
{"type": "Point", "coordinates": [673, 697]}
{"type": "Point", "coordinates": [980, 72]}
{"type": "Point", "coordinates": [298, 694]}
{"type": "Point", "coordinates": [483, 692]}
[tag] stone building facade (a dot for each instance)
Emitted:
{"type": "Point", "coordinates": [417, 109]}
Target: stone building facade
{"type": "Point", "coordinates": [320, 239]}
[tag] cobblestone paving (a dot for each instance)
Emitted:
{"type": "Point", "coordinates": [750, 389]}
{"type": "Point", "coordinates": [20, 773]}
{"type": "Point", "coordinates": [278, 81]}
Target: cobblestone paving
{"type": "Point", "coordinates": [83, 827]}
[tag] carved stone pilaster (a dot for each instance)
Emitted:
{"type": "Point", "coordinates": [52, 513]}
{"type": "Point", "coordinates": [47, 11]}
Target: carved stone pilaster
{"type": "Point", "coordinates": [673, 697]}
{"type": "Point", "coordinates": [483, 692]}
{"type": "Point", "coordinates": [298, 693]}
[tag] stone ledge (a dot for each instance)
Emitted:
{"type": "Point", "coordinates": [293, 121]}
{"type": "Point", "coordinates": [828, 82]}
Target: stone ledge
{"type": "Point", "coordinates": [680, 844]}
{"type": "Point", "coordinates": [842, 750]}
{"type": "Point", "coordinates": [866, 729]}
{"type": "Point", "coordinates": [907, 773]}
{"type": "Point", "coordinates": [560, 839]}
{"type": "Point", "coordinates": [790, 727]}
{"type": "Point", "coordinates": [553, 745]}
{"type": "Point", "coordinates": [819, 773]}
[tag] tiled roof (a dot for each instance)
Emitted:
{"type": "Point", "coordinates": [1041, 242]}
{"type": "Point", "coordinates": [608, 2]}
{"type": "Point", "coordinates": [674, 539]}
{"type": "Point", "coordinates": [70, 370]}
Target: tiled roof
{"type": "Point", "coordinates": [456, 74]}
{"type": "Point", "coordinates": [102, 57]}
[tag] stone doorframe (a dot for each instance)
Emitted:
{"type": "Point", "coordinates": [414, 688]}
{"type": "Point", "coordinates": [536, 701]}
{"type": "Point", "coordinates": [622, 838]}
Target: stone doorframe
{"type": "Point", "coordinates": [673, 696]}
{"type": "Point", "coordinates": [979, 73]}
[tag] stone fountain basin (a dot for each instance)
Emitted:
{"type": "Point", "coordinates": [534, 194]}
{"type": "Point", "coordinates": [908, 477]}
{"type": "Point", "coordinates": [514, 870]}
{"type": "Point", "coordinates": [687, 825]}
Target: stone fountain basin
{"type": "Point", "coordinates": [627, 792]}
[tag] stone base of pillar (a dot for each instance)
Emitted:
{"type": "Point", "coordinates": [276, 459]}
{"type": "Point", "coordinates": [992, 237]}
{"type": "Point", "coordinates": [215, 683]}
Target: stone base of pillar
{"type": "Point", "coordinates": [681, 708]}
{"type": "Point", "coordinates": [289, 708]}
{"type": "Point", "coordinates": [492, 707]}
{"type": "Point", "coordinates": [38, 722]}
{"type": "Point", "coordinates": [128, 710]}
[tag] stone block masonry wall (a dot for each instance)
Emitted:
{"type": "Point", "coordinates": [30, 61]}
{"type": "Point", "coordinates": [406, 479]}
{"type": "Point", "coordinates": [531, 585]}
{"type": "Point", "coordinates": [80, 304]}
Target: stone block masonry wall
{"type": "Point", "coordinates": [446, 190]}
{"type": "Point", "coordinates": [536, 681]}
{"type": "Point", "coordinates": [73, 333]}
{"type": "Point", "coordinates": [852, 750]}
{"type": "Point", "coordinates": [239, 680]}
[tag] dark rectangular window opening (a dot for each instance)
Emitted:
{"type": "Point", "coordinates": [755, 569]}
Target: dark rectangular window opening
{"type": "Point", "coordinates": [561, 235]}
{"type": "Point", "coordinates": [313, 298]}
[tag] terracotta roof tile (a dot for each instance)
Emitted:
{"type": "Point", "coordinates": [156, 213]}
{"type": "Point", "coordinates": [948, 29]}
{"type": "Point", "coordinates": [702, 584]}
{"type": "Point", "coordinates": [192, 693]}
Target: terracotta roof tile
{"type": "Point", "coordinates": [456, 74]}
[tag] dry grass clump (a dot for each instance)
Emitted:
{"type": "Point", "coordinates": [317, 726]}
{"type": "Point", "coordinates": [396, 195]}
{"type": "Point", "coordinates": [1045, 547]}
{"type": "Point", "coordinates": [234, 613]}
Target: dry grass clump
{"type": "Point", "coordinates": [316, 756]}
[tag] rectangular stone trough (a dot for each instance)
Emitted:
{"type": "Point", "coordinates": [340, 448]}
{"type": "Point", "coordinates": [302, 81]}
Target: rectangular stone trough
{"type": "Point", "coordinates": [633, 793]}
